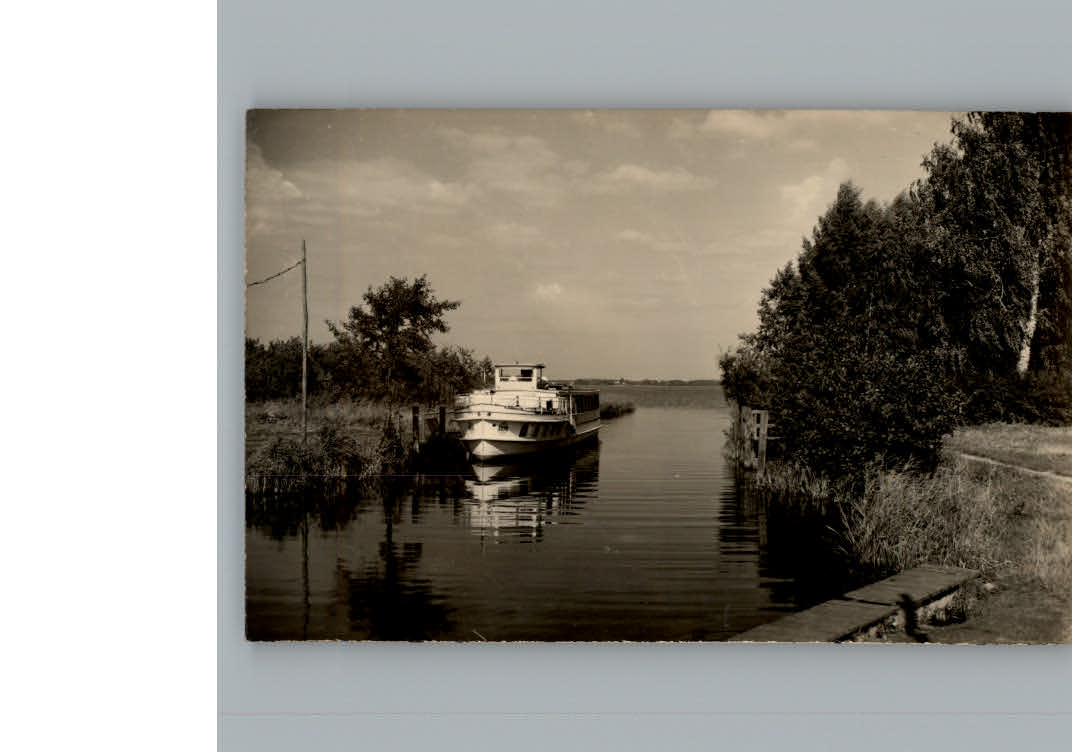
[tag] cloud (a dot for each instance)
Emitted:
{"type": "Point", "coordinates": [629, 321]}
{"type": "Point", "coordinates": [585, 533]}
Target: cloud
{"type": "Point", "coordinates": [628, 178]}
{"type": "Point", "coordinates": [607, 121]}
{"type": "Point", "coordinates": [521, 166]}
{"type": "Point", "coordinates": [681, 248]}
{"type": "Point", "coordinates": [807, 198]}
{"type": "Point", "coordinates": [368, 187]}
{"type": "Point", "coordinates": [647, 240]}
{"type": "Point", "coordinates": [512, 233]}
{"type": "Point", "coordinates": [322, 192]}
{"type": "Point", "coordinates": [548, 292]}
{"type": "Point", "coordinates": [796, 129]}
{"type": "Point", "coordinates": [737, 125]}
{"type": "Point", "coordinates": [269, 194]}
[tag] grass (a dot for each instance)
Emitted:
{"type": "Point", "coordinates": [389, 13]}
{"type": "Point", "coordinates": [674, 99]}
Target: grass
{"type": "Point", "coordinates": [610, 410]}
{"type": "Point", "coordinates": [795, 485]}
{"type": "Point", "coordinates": [988, 517]}
{"type": "Point", "coordinates": [346, 440]}
{"type": "Point", "coordinates": [1014, 527]}
{"type": "Point", "coordinates": [1044, 448]}
{"type": "Point", "coordinates": [991, 518]}
{"type": "Point", "coordinates": [266, 422]}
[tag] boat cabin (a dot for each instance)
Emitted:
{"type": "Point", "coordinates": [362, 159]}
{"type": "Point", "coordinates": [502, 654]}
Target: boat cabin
{"type": "Point", "coordinates": [518, 376]}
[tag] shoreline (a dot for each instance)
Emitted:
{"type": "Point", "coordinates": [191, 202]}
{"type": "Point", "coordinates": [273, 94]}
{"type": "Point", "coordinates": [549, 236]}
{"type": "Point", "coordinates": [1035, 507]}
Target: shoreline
{"type": "Point", "coordinates": [981, 509]}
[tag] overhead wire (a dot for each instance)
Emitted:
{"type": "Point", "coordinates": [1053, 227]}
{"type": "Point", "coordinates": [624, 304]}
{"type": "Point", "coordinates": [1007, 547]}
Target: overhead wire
{"type": "Point", "coordinates": [278, 274]}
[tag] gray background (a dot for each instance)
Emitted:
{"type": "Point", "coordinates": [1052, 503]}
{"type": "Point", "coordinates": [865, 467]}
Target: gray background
{"type": "Point", "coordinates": [960, 55]}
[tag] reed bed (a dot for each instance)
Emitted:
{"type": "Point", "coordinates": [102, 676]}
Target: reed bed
{"type": "Point", "coordinates": [793, 485]}
{"type": "Point", "coordinates": [611, 410]}
{"type": "Point", "coordinates": [995, 519]}
{"type": "Point", "coordinates": [347, 442]}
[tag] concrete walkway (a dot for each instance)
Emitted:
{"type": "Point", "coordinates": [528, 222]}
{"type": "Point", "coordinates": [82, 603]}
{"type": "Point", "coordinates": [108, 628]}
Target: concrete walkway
{"type": "Point", "coordinates": [862, 609]}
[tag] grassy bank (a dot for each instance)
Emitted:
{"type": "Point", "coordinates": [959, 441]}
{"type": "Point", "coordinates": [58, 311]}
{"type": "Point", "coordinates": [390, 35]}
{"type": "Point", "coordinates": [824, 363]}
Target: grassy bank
{"type": "Point", "coordinates": [1042, 448]}
{"type": "Point", "coordinates": [992, 518]}
{"type": "Point", "coordinates": [267, 422]}
{"type": "Point", "coordinates": [1013, 526]}
{"type": "Point", "coordinates": [346, 440]}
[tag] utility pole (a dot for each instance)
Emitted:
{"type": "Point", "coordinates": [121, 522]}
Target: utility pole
{"type": "Point", "coordinates": [305, 341]}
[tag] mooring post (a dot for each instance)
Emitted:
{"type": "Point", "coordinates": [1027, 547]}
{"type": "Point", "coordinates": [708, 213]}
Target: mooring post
{"type": "Point", "coordinates": [764, 417]}
{"type": "Point", "coordinates": [737, 435]}
{"type": "Point", "coordinates": [748, 433]}
{"type": "Point", "coordinates": [442, 420]}
{"type": "Point", "coordinates": [416, 410]}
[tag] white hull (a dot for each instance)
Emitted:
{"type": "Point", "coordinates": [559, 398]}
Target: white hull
{"type": "Point", "coordinates": [522, 416]}
{"type": "Point", "coordinates": [492, 448]}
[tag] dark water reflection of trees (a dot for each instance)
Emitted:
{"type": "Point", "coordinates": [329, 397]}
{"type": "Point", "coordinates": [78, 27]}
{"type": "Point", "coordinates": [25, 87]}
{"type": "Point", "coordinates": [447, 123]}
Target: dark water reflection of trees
{"type": "Point", "coordinates": [800, 554]}
{"type": "Point", "coordinates": [386, 600]}
{"type": "Point", "coordinates": [387, 597]}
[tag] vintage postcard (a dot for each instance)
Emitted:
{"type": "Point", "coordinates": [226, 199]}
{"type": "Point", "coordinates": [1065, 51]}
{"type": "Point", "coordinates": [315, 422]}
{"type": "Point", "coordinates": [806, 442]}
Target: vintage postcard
{"type": "Point", "coordinates": [652, 375]}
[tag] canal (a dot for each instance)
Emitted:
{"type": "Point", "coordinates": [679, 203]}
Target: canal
{"type": "Point", "coordinates": [646, 536]}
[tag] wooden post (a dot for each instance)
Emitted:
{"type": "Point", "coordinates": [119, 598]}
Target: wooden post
{"type": "Point", "coordinates": [442, 420]}
{"type": "Point", "coordinates": [305, 343]}
{"type": "Point", "coordinates": [764, 417]}
{"type": "Point", "coordinates": [416, 410]}
{"type": "Point", "coordinates": [747, 434]}
{"type": "Point", "coordinates": [735, 419]}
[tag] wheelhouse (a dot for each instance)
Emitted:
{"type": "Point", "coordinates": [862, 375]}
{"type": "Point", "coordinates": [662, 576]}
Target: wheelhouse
{"type": "Point", "coordinates": [523, 376]}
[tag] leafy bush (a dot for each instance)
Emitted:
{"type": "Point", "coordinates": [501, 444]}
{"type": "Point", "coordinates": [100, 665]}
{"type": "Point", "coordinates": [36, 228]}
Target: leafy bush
{"type": "Point", "coordinates": [950, 305]}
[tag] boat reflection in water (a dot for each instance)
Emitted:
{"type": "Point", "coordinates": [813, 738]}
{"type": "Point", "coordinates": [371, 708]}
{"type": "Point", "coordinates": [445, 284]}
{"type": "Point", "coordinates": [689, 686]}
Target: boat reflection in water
{"type": "Point", "coordinates": [516, 501]}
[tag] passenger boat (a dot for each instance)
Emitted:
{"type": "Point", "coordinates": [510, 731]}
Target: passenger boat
{"type": "Point", "coordinates": [522, 414]}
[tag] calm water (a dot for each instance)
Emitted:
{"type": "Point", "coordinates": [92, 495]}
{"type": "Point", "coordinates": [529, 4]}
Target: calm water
{"type": "Point", "coordinates": [646, 536]}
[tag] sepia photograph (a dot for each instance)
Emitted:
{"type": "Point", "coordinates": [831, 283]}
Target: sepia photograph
{"type": "Point", "coordinates": [658, 376]}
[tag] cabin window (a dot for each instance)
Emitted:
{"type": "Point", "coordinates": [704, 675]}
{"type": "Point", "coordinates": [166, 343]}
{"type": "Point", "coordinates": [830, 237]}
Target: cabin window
{"type": "Point", "coordinates": [524, 430]}
{"type": "Point", "coordinates": [519, 374]}
{"type": "Point", "coordinates": [504, 426]}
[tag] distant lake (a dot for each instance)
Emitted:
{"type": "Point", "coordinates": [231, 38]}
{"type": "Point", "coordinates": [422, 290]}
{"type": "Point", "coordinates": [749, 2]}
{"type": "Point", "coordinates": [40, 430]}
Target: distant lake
{"type": "Point", "coordinates": [659, 395]}
{"type": "Point", "coordinates": [645, 536]}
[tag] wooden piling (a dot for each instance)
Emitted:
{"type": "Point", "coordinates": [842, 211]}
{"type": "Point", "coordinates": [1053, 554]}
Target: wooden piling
{"type": "Point", "coordinates": [748, 433]}
{"type": "Point", "coordinates": [416, 413]}
{"type": "Point", "coordinates": [761, 449]}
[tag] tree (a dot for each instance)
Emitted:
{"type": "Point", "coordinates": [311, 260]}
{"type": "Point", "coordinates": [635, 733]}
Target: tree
{"type": "Point", "coordinates": [274, 371]}
{"type": "Point", "coordinates": [998, 208]}
{"type": "Point", "coordinates": [997, 200]}
{"type": "Point", "coordinates": [385, 345]}
{"type": "Point", "coordinates": [951, 304]}
{"type": "Point", "coordinates": [846, 354]}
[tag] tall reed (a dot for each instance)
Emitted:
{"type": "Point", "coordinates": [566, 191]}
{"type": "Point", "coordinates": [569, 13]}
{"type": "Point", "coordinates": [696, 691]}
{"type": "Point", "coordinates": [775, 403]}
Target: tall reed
{"type": "Point", "coordinates": [328, 461]}
{"type": "Point", "coordinates": [994, 519]}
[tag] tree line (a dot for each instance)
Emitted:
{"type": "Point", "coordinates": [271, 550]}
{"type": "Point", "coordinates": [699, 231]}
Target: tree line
{"type": "Point", "coordinates": [950, 305]}
{"type": "Point", "coordinates": [645, 382]}
{"type": "Point", "coordinates": [383, 351]}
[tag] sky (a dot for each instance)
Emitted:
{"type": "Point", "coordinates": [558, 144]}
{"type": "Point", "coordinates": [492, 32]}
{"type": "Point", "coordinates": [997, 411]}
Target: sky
{"type": "Point", "coordinates": [609, 243]}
